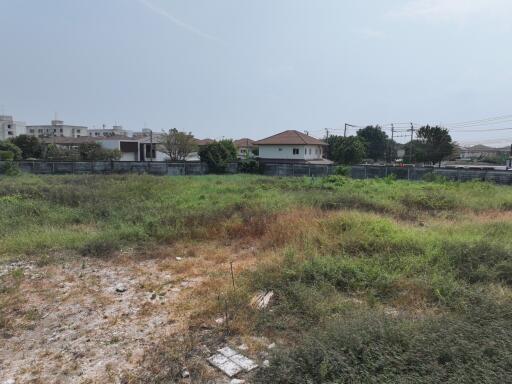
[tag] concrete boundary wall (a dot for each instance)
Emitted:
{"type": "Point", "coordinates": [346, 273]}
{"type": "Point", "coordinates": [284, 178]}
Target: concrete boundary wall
{"type": "Point", "coordinates": [418, 173]}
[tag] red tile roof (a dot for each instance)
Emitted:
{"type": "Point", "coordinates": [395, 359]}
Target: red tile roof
{"type": "Point", "coordinates": [244, 143]}
{"type": "Point", "coordinates": [291, 137]}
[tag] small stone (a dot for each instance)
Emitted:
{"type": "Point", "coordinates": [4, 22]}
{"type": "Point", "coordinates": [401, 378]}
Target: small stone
{"type": "Point", "coordinates": [9, 381]}
{"type": "Point", "coordinates": [179, 258]}
{"type": "Point", "coordinates": [243, 347]}
{"type": "Point", "coordinates": [153, 296]}
{"type": "Point", "coordinates": [220, 320]}
{"type": "Point", "coordinates": [120, 288]}
{"type": "Point", "coordinates": [266, 363]}
{"type": "Point", "coordinates": [272, 346]}
{"type": "Point", "coordinates": [237, 381]}
{"type": "Point", "coordinates": [185, 373]}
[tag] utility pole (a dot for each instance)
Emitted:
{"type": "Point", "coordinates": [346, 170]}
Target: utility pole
{"type": "Point", "coordinates": [151, 145]}
{"type": "Point", "coordinates": [345, 132]}
{"type": "Point", "coordinates": [327, 133]}
{"type": "Point", "coordinates": [412, 145]}
{"type": "Point", "coordinates": [393, 141]}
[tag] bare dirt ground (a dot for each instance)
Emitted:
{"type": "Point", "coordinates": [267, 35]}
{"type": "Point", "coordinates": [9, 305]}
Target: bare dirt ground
{"type": "Point", "coordinates": [93, 320]}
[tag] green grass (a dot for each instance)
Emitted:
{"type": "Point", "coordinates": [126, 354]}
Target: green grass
{"type": "Point", "coordinates": [377, 281]}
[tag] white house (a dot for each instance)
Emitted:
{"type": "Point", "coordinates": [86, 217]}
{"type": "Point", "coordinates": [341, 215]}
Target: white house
{"type": "Point", "coordinates": [10, 128]}
{"type": "Point", "coordinates": [244, 148]}
{"type": "Point", "coordinates": [57, 128]}
{"type": "Point", "coordinates": [292, 147]}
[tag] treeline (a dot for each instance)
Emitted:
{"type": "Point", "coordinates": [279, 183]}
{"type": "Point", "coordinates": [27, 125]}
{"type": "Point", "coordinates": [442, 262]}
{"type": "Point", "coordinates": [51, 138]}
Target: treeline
{"type": "Point", "coordinates": [26, 147]}
{"type": "Point", "coordinates": [433, 144]}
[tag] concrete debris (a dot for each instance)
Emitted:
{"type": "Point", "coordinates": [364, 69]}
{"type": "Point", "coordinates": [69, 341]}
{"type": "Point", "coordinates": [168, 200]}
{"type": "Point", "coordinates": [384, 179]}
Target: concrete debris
{"type": "Point", "coordinates": [120, 288]}
{"type": "Point", "coordinates": [262, 299]}
{"type": "Point", "coordinates": [231, 362]}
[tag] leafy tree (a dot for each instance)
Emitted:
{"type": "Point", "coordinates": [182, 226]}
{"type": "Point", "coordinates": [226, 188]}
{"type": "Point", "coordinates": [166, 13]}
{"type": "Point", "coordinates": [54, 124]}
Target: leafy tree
{"type": "Point", "coordinates": [8, 146]}
{"type": "Point", "coordinates": [94, 152]}
{"type": "Point", "coordinates": [376, 141]}
{"type": "Point", "coordinates": [30, 146]}
{"type": "Point", "coordinates": [218, 154]}
{"type": "Point", "coordinates": [178, 145]}
{"type": "Point", "coordinates": [438, 143]}
{"type": "Point", "coordinates": [345, 150]}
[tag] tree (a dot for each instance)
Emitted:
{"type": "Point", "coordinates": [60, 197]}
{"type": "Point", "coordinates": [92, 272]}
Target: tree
{"type": "Point", "coordinates": [10, 150]}
{"type": "Point", "coordinates": [218, 154]}
{"type": "Point", "coordinates": [345, 150]}
{"type": "Point", "coordinates": [376, 141]}
{"type": "Point", "coordinates": [178, 145]}
{"type": "Point", "coordinates": [30, 146]}
{"type": "Point", "coordinates": [94, 152]}
{"type": "Point", "coordinates": [438, 143]}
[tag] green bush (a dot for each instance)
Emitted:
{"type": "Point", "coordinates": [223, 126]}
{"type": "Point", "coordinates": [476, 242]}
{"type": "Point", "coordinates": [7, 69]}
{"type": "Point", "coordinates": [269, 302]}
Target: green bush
{"type": "Point", "coordinates": [10, 168]}
{"type": "Point", "coordinates": [342, 171]}
{"type": "Point", "coordinates": [250, 166]}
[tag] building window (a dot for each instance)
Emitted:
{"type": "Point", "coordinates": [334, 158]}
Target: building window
{"type": "Point", "coordinates": [39, 131]}
{"type": "Point", "coordinates": [310, 151]}
{"type": "Point", "coordinates": [9, 133]}
{"type": "Point", "coordinates": [8, 126]}
{"type": "Point", "coordinates": [295, 151]}
{"type": "Point", "coordinates": [77, 131]}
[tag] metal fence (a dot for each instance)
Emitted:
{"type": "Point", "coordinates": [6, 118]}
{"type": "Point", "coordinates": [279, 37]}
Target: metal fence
{"type": "Point", "coordinates": [419, 173]}
{"type": "Point", "coordinates": [160, 168]}
{"type": "Point", "coordinates": [298, 170]}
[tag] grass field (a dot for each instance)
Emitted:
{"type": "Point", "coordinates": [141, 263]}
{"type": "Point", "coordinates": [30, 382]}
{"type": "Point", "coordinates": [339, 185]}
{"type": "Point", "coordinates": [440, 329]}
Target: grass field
{"type": "Point", "coordinates": [375, 280]}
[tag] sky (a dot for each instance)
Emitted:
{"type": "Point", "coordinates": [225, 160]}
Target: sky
{"type": "Point", "coordinates": [252, 68]}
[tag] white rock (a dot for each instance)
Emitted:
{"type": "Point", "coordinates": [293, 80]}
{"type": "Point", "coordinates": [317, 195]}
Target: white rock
{"type": "Point", "coordinates": [185, 373]}
{"type": "Point", "coordinates": [237, 381]}
{"type": "Point", "coordinates": [272, 346]}
{"type": "Point", "coordinates": [9, 381]}
{"type": "Point", "coordinates": [266, 363]}
{"type": "Point", "coordinates": [220, 320]}
{"type": "Point", "coordinates": [120, 288]}
{"type": "Point", "coordinates": [179, 258]}
{"type": "Point", "coordinates": [243, 347]}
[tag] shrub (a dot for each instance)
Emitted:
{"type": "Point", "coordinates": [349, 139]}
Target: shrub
{"type": "Point", "coordinates": [342, 171]}
{"type": "Point", "coordinates": [250, 166]}
{"type": "Point", "coordinates": [10, 168]}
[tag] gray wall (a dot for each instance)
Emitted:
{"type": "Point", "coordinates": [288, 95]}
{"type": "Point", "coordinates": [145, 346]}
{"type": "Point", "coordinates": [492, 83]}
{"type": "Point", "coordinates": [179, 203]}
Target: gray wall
{"type": "Point", "coordinates": [161, 168]}
{"type": "Point", "coordinates": [371, 172]}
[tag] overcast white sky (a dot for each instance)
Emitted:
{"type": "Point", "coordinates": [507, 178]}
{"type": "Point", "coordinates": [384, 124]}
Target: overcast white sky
{"type": "Point", "coordinates": [252, 68]}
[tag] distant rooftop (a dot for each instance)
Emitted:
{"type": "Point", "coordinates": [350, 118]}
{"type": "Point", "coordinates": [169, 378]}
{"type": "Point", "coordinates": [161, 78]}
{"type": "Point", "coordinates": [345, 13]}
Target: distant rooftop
{"type": "Point", "coordinates": [290, 137]}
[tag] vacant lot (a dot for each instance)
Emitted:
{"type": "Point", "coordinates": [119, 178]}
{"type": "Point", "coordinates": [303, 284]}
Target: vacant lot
{"type": "Point", "coordinates": [128, 279]}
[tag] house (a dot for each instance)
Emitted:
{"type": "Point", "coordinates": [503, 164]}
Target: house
{"type": "Point", "coordinates": [292, 147]}
{"type": "Point", "coordinates": [244, 148]}
{"type": "Point", "coordinates": [116, 130]}
{"type": "Point", "coordinates": [10, 128]}
{"type": "Point", "coordinates": [479, 151]}
{"type": "Point", "coordinates": [56, 128]}
{"type": "Point", "coordinates": [131, 149]}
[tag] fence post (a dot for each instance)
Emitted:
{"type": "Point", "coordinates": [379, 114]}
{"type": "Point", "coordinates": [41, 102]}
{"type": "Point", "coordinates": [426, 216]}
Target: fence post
{"type": "Point", "coordinates": [365, 172]}
{"type": "Point", "coordinates": [409, 173]}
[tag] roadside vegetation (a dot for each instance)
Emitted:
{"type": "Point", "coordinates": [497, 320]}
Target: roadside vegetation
{"type": "Point", "coordinates": [373, 280]}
